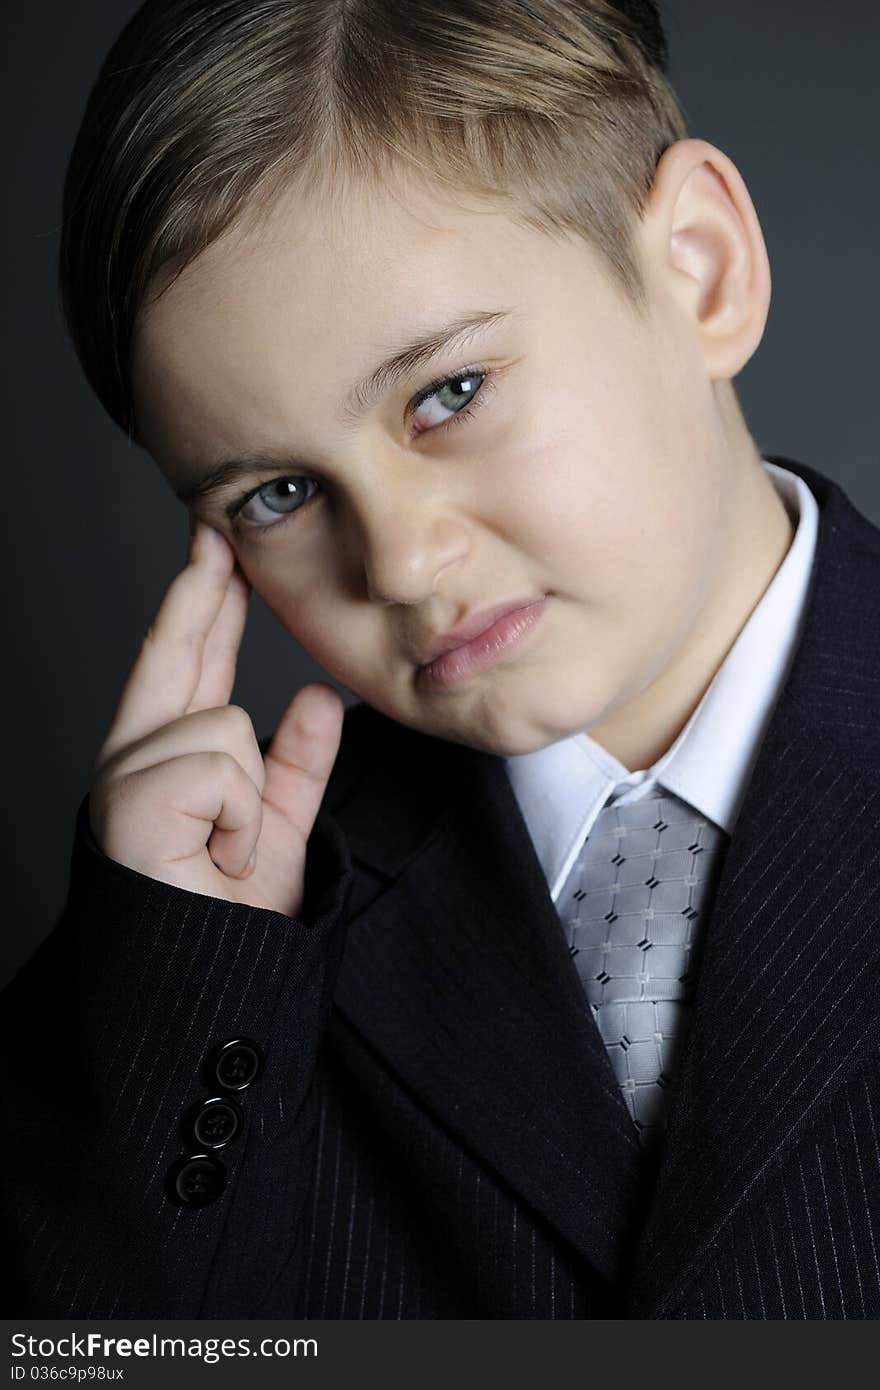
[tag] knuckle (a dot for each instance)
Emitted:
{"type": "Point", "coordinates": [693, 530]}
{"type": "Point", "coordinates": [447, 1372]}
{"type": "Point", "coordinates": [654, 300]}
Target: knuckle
{"type": "Point", "coordinates": [226, 768]}
{"type": "Point", "coordinates": [239, 736]}
{"type": "Point", "coordinates": [239, 720]}
{"type": "Point", "coordinates": [220, 763]}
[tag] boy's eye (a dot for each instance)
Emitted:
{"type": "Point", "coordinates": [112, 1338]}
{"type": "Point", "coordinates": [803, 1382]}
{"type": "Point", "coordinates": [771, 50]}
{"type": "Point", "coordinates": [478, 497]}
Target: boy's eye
{"type": "Point", "coordinates": [282, 496]}
{"type": "Point", "coordinates": [448, 401]}
{"type": "Point", "coordinates": [451, 394]}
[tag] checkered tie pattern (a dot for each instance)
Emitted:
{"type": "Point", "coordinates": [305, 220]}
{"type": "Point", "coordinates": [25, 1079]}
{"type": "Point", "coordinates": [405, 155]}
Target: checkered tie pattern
{"type": "Point", "coordinates": [634, 908]}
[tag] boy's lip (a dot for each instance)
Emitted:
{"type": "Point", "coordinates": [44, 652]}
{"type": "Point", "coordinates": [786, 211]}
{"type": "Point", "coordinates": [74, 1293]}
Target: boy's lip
{"type": "Point", "coordinates": [471, 627]}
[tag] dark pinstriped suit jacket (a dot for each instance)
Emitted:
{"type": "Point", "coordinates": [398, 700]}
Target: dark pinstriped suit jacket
{"type": "Point", "coordinates": [438, 1132]}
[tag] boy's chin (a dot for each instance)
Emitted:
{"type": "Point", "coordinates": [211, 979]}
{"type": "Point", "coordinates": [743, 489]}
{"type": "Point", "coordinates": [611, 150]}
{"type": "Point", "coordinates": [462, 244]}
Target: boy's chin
{"type": "Point", "coordinates": [498, 723]}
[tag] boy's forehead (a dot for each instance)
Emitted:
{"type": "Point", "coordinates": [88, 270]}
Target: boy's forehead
{"type": "Point", "coordinates": [362, 241]}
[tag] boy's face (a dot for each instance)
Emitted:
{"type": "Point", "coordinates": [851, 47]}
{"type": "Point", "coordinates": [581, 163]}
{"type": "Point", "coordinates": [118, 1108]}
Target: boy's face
{"type": "Point", "coordinates": [590, 472]}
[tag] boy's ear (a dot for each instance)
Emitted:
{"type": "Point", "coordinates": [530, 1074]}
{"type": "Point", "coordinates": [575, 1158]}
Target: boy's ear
{"type": "Point", "coordinates": [704, 242]}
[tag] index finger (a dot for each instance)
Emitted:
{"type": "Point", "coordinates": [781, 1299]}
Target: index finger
{"type": "Point", "coordinates": [220, 653]}
{"type": "Point", "coordinates": [168, 671]}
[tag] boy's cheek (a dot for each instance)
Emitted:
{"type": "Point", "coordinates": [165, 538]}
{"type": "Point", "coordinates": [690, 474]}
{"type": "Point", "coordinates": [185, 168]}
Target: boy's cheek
{"type": "Point", "coordinates": [348, 644]}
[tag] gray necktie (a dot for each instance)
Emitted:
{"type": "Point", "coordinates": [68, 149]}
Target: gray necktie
{"type": "Point", "coordinates": [634, 908]}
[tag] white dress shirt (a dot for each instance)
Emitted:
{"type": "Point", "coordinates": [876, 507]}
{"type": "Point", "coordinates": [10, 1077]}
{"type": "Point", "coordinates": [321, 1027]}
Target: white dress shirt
{"type": "Point", "coordinates": [562, 788]}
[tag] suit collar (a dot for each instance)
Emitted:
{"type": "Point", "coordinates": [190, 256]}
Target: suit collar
{"type": "Point", "coordinates": [459, 976]}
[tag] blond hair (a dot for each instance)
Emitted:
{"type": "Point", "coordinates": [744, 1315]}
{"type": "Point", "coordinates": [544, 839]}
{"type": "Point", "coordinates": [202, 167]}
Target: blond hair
{"type": "Point", "coordinates": [557, 109]}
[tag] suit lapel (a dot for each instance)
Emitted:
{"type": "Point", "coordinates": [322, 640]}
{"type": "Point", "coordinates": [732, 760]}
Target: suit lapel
{"type": "Point", "coordinates": [458, 974]}
{"type": "Point", "coordinates": [786, 994]}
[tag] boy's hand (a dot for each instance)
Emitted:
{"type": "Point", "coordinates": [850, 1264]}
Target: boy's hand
{"type": "Point", "coordinates": [180, 791]}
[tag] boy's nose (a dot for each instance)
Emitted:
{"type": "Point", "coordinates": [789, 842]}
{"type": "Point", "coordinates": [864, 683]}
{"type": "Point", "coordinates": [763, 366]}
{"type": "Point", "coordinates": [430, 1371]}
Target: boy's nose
{"type": "Point", "coordinates": [406, 549]}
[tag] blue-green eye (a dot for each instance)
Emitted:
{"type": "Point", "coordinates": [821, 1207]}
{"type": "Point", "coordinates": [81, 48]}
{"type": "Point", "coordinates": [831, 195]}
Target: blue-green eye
{"type": "Point", "coordinates": [459, 391]}
{"type": "Point", "coordinates": [281, 497]}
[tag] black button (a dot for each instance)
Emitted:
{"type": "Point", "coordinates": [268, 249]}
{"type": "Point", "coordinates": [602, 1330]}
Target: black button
{"type": "Point", "coordinates": [237, 1063]}
{"type": "Point", "coordinates": [216, 1122]}
{"type": "Point", "coordinates": [197, 1180]}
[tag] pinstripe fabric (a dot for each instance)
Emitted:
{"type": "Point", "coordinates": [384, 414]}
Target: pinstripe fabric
{"type": "Point", "coordinates": [374, 1243]}
{"type": "Point", "coordinates": [438, 1132]}
{"type": "Point", "coordinates": [805, 1245]}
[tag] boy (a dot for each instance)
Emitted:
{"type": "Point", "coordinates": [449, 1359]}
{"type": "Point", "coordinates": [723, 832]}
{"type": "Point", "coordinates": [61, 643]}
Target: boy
{"type": "Point", "coordinates": [415, 1013]}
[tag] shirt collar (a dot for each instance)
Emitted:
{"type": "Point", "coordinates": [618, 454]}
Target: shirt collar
{"type": "Point", "coordinates": [561, 788]}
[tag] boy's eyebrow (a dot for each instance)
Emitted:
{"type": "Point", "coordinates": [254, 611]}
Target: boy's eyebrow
{"type": "Point", "coordinates": [406, 361]}
{"type": "Point", "coordinates": [402, 364]}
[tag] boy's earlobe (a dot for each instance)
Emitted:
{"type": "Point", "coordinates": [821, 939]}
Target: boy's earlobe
{"type": "Point", "coordinates": [707, 242]}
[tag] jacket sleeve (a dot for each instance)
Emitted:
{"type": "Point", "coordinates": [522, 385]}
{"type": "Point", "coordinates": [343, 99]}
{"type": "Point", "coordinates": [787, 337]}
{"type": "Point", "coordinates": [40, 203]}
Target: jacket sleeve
{"type": "Point", "coordinates": [145, 1002]}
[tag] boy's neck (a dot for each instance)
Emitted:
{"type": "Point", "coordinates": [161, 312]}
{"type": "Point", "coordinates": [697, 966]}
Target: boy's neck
{"type": "Point", "coordinates": [758, 542]}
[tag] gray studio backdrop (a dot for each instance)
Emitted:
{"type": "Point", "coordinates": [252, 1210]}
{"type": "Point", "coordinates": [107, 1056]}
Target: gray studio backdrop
{"type": "Point", "coordinates": [93, 536]}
